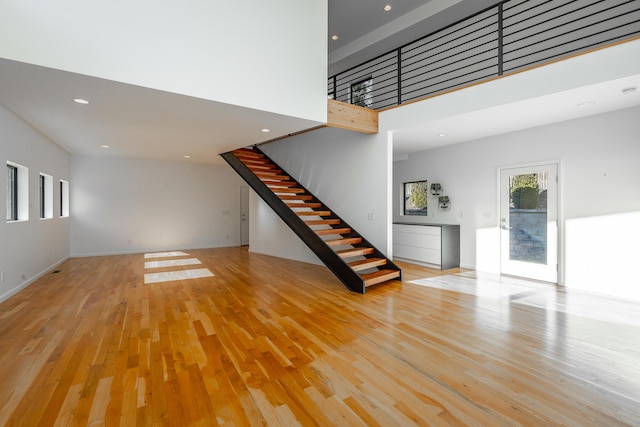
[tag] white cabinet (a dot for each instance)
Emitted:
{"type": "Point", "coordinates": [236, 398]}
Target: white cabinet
{"type": "Point", "coordinates": [435, 244]}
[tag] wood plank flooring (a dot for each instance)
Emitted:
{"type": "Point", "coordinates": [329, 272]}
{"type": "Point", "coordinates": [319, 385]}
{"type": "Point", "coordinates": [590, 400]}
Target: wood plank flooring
{"type": "Point", "coordinates": [267, 341]}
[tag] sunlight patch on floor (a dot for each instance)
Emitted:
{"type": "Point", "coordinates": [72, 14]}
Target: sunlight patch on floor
{"type": "Point", "coordinates": [171, 263]}
{"type": "Point", "coordinates": [485, 286]}
{"type": "Point", "coordinates": [169, 276]}
{"type": "Point", "coordinates": [164, 254]}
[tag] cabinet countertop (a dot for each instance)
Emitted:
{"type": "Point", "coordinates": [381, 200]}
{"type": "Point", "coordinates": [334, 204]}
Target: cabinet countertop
{"type": "Point", "coordinates": [425, 224]}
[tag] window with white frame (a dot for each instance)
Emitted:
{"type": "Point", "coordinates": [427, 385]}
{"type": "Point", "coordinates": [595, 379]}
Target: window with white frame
{"type": "Point", "coordinates": [17, 192]}
{"type": "Point", "coordinates": [12, 193]}
{"type": "Point", "coordinates": [46, 196]}
{"type": "Point", "coordinates": [64, 198]}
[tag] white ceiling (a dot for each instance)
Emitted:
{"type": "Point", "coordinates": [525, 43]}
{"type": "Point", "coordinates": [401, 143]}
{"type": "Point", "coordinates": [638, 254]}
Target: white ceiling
{"type": "Point", "coordinates": [365, 30]}
{"type": "Point", "coordinates": [561, 106]}
{"type": "Point", "coordinates": [145, 123]}
{"type": "Point", "coordinates": [133, 121]}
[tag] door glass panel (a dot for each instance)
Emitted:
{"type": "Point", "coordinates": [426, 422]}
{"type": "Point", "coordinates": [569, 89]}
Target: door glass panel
{"type": "Point", "coordinates": [528, 217]}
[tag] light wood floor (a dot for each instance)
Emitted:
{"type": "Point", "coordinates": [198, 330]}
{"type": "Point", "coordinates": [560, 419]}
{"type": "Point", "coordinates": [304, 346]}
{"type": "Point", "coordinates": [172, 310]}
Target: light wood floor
{"type": "Point", "coordinates": [274, 342]}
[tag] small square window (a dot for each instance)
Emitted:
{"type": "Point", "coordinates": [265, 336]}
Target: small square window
{"type": "Point", "coordinates": [362, 93]}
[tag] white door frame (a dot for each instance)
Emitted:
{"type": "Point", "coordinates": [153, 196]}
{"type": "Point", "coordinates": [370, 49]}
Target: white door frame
{"type": "Point", "coordinates": [559, 212]}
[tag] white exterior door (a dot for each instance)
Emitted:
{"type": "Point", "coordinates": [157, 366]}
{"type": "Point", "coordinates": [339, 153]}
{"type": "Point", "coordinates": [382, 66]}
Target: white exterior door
{"type": "Point", "coordinates": [529, 222]}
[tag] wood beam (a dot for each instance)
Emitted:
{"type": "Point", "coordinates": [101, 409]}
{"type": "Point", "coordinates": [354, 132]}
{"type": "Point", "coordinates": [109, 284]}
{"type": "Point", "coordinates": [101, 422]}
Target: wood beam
{"type": "Point", "coordinates": [351, 117]}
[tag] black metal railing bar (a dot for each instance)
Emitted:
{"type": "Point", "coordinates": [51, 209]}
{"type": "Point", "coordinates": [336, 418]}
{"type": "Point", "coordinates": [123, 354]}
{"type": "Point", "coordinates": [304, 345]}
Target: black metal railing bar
{"type": "Point", "coordinates": [507, 37]}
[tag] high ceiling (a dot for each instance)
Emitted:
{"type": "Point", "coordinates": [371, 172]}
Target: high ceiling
{"type": "Point", "coordinates": [365, 30]}
{"type": "Point", "coordinates": [145, 123]}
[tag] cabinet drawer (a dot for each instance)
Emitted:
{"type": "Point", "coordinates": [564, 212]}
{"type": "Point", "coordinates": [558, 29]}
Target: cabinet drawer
{"type": "Point", "coordinates": [431, 256]}
{"type": "Point", "coordinates": [417, 229]}
{"type": "Point", "coordinates": [418, 240]}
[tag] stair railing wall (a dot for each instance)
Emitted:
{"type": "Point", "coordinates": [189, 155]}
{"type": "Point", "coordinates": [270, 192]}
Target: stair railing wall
{"type": "Point", "coordinates": [508, 37]}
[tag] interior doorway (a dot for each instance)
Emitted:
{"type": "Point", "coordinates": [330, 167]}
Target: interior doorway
{"type": "Point", "coordinates": [529, 222]}
{"type": "Point", "coordinates": [244, 216]}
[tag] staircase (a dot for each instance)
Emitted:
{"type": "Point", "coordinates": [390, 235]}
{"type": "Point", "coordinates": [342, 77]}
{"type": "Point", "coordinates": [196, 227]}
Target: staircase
{"type": "Point", "coordinates": [356, 262]}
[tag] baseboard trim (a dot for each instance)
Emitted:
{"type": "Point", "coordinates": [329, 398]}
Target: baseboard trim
{"type": "Point", "coordinates": [143, 251]}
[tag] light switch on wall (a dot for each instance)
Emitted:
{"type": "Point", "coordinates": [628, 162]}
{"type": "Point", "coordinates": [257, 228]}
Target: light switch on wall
{"type": "Point", "coordinates": [370, 216]}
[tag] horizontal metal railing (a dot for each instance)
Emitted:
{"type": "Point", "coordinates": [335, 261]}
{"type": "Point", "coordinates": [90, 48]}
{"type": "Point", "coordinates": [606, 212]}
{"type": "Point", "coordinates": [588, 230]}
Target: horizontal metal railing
{"type": "Point", "coordinates": [505, 38]}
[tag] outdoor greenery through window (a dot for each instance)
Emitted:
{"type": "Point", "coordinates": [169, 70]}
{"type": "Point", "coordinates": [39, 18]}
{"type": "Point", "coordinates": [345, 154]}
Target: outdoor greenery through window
{"type": "Point", "coordinates": [528, 217]}
{"type": "Point", "coordinates": [415, 198]}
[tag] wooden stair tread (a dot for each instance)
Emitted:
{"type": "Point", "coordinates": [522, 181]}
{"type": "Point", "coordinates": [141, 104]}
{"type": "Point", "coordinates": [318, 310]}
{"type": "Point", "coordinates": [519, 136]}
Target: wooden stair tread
{"type": "Point", "coordinates": [314, 213]}
{"type": "Point", "coordinates": [332, 221]}
{"type": "Point", "coordinates": [244, 152]}
{"type": "Point", "coordinates": [304, 205]}
{"type": "Point", "coordinates": [363, 264]}
{"type": "Point", "coordinates": [330, 231]}
{"type": "Point", "coordinates": [273, 173]}
{"type": "Point", "coordinates": [344, 241]}
{"type": "Point", "coordinates": [287, 190]}
{"type": "Point", "coordinates": [347, 253]}
{"type": "Point", "coordinates": [379, 276]}
{"type": "Point", "coordinates": [263, 167]}
{"type": "Point", "coordinates": [295, 197]}
{"type": "Point", "coordinates": [273, 184]}
{"type": "Point", "coordinates": [248, 161]}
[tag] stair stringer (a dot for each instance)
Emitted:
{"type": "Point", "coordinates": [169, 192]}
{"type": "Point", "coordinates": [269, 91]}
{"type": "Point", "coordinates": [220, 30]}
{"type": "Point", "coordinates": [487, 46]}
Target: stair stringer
{"type": "Point", "coordinates": [338, 266]}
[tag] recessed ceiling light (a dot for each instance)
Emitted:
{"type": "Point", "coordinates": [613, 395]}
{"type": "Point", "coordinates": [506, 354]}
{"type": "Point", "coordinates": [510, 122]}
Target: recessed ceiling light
{"type": "Point", "coordinates": [105, 146]}
{"type": "Point", "coordinates": [629, 90]}
{"type": "Point", "coordinates": [187, 157]}
{"type": "Point", "coordinates": [387, 8]}
{"type": "Point", "coordinates": [441, 134]}
{"type": "Point", "coordinates": [586, 104]}
{"type": "Point", "coordinates": [334, 37]}
{"type": "Point", "coordinates": [80, 101]}
{"type": "Point", "coordinates": [265, 130]}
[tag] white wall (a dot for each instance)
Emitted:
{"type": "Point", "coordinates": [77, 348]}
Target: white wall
{"type": "Point", "coordinates": [30, 248]}
{"type": "Point", "coordinates": [270, 56]}
{"type": "Point", "coordinates": [269, 235]}
{"type": "Point", "coordinates": [599, 190]}
{"type": "Point", "coordinates": [121, 205]}
{"type": "Point", "coordinates": [348, 171]}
